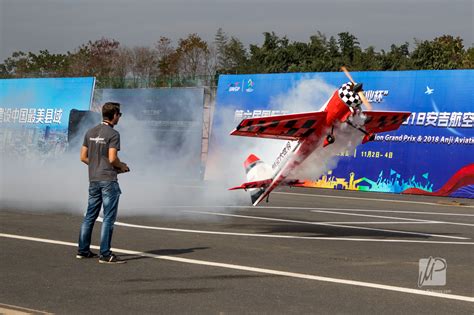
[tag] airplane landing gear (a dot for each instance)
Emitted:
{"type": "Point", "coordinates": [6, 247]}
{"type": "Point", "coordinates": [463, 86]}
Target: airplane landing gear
{"type": "Point", "coordinates": [368, 137]}
{"type": "Point", "coordinates": [329, 140]}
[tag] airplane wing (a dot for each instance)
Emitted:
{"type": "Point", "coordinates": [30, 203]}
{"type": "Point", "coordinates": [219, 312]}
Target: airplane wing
{"type": "Point", "coordinates": [266, 182]}
{"type": "Point", "coordinates": [300, 127]}
{"type": "Point", "coordinates": [266, 186]}
{"type": "Point", "coordinates": [293, 127]}
{"type": "Point", "coordinates": [285, 127]}
{"type": "Point", "coordinates": [378, 121]}
{"type": "Point", "coordinates": [256, 184]}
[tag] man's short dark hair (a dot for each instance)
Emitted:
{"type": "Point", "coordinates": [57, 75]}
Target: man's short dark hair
{"type": "Point", "coordinates": [109, 109]}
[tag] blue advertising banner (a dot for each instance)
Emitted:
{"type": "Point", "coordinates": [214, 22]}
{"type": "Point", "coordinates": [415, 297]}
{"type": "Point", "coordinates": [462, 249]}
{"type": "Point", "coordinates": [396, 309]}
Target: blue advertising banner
{"type": "Point", "coordinates": [431, 153]}
{"type": "Point", "coordinates": [34, 114]}
{"type": "Point", "coordinates": [162, 128]}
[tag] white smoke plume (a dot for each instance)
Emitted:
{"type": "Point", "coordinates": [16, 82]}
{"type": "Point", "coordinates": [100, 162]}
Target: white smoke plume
{"type": "Point", "coordinates": [307, 95]}
{"type": "Point", "coordinates": [36, 181]}
{"type": "Point", "coordinates": [158, 181]}
{"type": "Point", "coordinates": [226, 161]}
{"type": "Point", "coordinates": [324, 159]}
{"type": "Point", "coordinates": [311, 95]}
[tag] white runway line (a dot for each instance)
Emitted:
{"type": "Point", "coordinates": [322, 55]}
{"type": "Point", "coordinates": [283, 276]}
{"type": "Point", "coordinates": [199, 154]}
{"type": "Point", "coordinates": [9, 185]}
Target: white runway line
{"type": "Point", "coordinates": [387, 217]}
{"type": "Point", "coordinates": [321, 238]}
{"type": "Point", "coordinates": [368, 215]}
{"type": "Point", "coordinates": [373, 199]}
{"type": "Point", "coordinates": [303, 208]}
{"type": "Point", "coordinates": [337, 210]}
{"type": "Point", "coordinates": [260, 270]}
{"type": "Point", "coordinates": [381, 222]}
{"type": "Point", "coordinates": [333, 225]}
{"type": "Point", "coordinates": [18, 310]}
{"type": "Point", "coordinates": [387, 211]}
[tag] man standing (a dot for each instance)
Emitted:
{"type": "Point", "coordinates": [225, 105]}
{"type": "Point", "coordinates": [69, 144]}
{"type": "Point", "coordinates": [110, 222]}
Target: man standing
{"type": "Point", "coordinates": [99, 152]}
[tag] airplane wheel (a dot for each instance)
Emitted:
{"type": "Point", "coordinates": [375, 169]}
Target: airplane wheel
{"type": "Point", "coordinates": [330, 139]}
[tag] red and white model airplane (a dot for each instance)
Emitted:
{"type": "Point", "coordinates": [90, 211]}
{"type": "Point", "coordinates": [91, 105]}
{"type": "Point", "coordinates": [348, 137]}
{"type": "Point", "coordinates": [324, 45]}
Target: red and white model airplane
{"type": "Point", "coordinates": [308, 130]}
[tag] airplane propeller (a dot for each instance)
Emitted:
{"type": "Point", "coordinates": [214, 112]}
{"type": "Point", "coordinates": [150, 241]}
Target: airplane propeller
{"type": "Point", "coordinates": [365, 101]}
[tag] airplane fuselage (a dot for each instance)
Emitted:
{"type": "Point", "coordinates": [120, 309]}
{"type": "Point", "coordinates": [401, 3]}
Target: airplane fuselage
{"type": "Point", "coordinates": [337, 110]}
{"type": "Point", "coordinates": [311, 130]}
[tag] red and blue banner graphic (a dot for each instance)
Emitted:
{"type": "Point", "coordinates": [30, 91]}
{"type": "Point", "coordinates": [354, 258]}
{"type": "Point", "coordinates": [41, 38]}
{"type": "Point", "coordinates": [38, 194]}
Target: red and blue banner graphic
{"type": "Point", "coordinates": [34, 114]}
{"type": "Point", "coordinates": [432, 153]}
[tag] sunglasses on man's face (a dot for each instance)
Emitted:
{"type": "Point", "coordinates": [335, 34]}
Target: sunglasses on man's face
{"type": "Point", "coordinates": [120, 114]}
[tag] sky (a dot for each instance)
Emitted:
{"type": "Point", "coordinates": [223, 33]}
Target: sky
{"type": "Point", "coordinates": [63, 25]}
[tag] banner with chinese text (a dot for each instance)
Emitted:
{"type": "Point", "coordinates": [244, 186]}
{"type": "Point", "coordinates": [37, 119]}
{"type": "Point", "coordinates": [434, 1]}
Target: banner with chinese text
{"type": "Point", "coordinates": [431, 153]}
{"type": "Point", "coordinates": [34, 114]}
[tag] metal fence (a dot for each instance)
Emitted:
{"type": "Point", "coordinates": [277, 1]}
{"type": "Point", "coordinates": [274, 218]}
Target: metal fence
{"type": "Point", "coordinates": [132, 83]}
{"type": "Point", "coordinates": [156, 82]}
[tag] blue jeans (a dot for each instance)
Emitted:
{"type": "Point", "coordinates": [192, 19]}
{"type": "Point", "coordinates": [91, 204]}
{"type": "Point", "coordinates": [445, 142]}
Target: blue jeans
{"type": "Point", "coordinates": [104, 193]}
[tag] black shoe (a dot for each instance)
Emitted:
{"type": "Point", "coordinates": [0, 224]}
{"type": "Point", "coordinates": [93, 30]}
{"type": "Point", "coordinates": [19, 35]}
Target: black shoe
{"type": "Point", "coordinates": [111, 259]}
{"type": "Point", "coordinates": [86, 255]}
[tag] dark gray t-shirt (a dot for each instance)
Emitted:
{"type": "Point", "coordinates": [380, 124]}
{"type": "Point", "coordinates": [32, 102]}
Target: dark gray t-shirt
{"type": "Point", "coordinates": [98, 140]}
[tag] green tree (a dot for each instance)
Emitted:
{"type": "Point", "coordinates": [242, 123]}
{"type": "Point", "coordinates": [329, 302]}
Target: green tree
{"type": "Point", "coordinates": [122, 67]}
{"type": "Point", "coordinates": [334, 54]}
{"type": "Point", "coordinates": [95, 58]}
{"type": "Point", "coordinates": [272, 57]}
{"type": "Point", "coordinates": [298, 57]}
{"type": "Point", "coordinates": [221, 42]}
{"type": "Point", "coordinates": [445, 52]}
{"type": "Point", "coordinates": [143, 66]}
{"type": "Point", "coordinates": [193, 54]}
{"type": "Point", "coordinates": [47, 64]}
{"type": "Point", "coordinates": [370, 59]}
{"type": "Point", "coordinates": [43, 64]}
{"type": "Point", "coordinates": [15, 66]}
{"type": "Point", "coordinates": [112, 63]}
{"type": "Point", "coordinates": [168, 59]}
{"type": "Point", "coordinates": [349, 47]}
{"type": "Point", "coordinates": [319, 53]}
{"type": "Point", "coordinates": [398, 58]}
{"type": "Point", "coordinates": [468, 62]}
{"type": "Point", "coordinates": [235, 56]}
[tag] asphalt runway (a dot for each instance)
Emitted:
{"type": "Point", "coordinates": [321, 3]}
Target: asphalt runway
{"type": "Point", "coordinates": [306, 251]}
